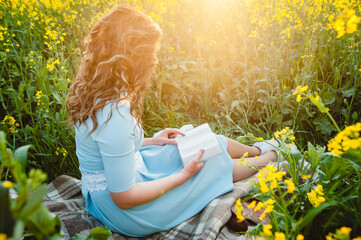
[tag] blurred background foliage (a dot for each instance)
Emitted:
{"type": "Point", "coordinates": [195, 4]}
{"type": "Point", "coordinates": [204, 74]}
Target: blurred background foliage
{"type": "Point", "coordinates": [232, 63]}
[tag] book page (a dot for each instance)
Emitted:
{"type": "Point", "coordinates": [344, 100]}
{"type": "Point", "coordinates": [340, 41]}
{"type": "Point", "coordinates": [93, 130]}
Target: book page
{"type": "Point", "coordinates": [196, 139]}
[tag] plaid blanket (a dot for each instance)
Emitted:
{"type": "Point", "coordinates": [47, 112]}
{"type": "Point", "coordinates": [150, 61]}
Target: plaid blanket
{"type": "Point", "coordinates": [65, 200]}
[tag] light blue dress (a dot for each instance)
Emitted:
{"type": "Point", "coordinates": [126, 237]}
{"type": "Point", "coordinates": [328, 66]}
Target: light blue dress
{"type": "Point", "coordinates": [112, 159]}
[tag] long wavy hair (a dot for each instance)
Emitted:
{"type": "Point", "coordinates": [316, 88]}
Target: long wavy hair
{"type": "Point", "coordinates": [119, 58]}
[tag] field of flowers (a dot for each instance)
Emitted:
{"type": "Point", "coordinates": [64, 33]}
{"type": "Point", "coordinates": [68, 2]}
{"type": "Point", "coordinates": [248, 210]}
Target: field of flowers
{"type": "Point", "coordinates": [247, 67]}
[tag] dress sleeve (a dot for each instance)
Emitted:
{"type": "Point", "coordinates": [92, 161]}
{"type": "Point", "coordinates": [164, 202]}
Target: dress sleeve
{"type": "Point", "coordinates": [115, 140]}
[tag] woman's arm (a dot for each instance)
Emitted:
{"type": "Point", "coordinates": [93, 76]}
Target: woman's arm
{"type": "Point", "coordinates": [141, 193]}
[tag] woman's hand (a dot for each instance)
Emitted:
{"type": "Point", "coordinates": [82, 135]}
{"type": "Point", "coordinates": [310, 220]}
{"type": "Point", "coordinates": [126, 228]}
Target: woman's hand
{"type": "Point", "coordinates": [193, 166]}
{"type": "Point", "coordinates": [164, 137]}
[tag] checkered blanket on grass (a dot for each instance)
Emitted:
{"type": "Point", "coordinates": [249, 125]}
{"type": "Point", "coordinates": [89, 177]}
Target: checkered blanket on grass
{"type": "Point", "coordinates": [65, 200]}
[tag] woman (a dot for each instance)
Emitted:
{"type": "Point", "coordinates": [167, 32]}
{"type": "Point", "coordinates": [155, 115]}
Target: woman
{"type": "Point", "coordinates": [138, 186]}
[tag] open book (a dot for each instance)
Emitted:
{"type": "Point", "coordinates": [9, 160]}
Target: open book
{"type": "Point", "coordinates": [196, 139]}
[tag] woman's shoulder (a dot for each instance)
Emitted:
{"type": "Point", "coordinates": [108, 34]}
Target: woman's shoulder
{"type": "Point", "coordinates": [121, 108]}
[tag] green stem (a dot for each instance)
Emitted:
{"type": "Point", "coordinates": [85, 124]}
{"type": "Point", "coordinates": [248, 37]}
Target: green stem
{"type": "Point", "coordinates": [333, 121]}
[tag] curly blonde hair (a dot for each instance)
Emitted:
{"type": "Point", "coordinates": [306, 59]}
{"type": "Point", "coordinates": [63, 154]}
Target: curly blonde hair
{"type": "Point", "coordinates": [119, 58]}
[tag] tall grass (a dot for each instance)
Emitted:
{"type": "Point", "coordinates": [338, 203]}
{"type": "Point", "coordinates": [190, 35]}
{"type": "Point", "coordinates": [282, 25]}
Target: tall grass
{"type": "Point", "coordinates": [231, 63]}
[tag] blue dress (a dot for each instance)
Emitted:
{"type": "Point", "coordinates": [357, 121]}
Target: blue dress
{"type": "Point", "coordinates": [112, 159]}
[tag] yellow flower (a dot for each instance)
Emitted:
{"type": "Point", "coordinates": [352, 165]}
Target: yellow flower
{"type": "Point", "coordinates": [259, 206]}
{"type": "Point", "coordinates": [256, 157]}
{"type": "Point", "coordinates": [252, 204]}
{"type": "Point", "coordinates": [329, 237]}
{"type": "Point", "coordinates": [242, 161]}
{"type": "Point", "coordinates": [239, 209]}
{"type": "Point", "coordinates": [305, 177]}
{"type": "Point", "coordinates": [356, 238]}
{"type": "Point", "coordinates": [267, 230]}
{"type": "Point", "coordinates": [292, 138]}
{"type": "Point", "coordinates": [9, 120]}
{"type": "Point", "coordinates": [315, 196]}
{"type": "Point", "coordinates": [269, 205]}
{"type": "Point", "coordinates": [274, 184]}
{"type": "Point", "coordinates": [263, 216]}
{"type": "Point", "coordinates": [3, 236]}
{"type": "Point", "coordinates": [351, 25]}
{"type": "Point", "coordinates": [304, 89]}
{"type": "Point", "coordinates": [8, 184]}
{"type": "Point", "coordinates": [300, 237]}
{"type": "Point", "coordinates": [263, 186]}
{"type": "Point", "coordinates": [280, 236]}
{"type": "Point", "coordinates": [347, 139]}
{"type": "Point", "coordinates": [291, 185]}
{"type": "Point", "coordinates": [245, 154]}
{"type": "Point", "coordinates": [38, 94]}
{"type": "Point", "coordinates": [345, 230]}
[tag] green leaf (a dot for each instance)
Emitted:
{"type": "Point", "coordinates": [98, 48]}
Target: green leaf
{"type": "Point", "coordinates": [18, 229]}
{"type": "Point", "coordinates": [328, 98]}
{"type": "Point", "coordinates": [2, 143]}
{"type": "Point", "coordinates": [34, 201]}
{"type": "Point", "coordinates": [348, 93]}
{"type": "Point", "coordinates": [6, 217]}
{"type": "Point", "coordinates": [42, 223]}
{"type": "Point", "coordinates": [98, 233]}
{"type": "Point", "coordinates": [21, 154]}
{"type": "Point", "coordinates": [303, 222]}
{"type": "Point", "coordinates": [354, 156]}
{"type": "Point", "coordinates": [312, 155]}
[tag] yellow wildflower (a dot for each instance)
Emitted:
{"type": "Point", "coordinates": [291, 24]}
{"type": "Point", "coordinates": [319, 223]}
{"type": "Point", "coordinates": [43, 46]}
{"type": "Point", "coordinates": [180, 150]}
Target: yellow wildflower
{"type": "Point", "coordinates": [329, 237]}
{"type": "Point", "coordinates": [347, 139]}
{"type": "Point", "coordinates": [9, 120]}
{"type": "Point", "coordinates": [267, 230]}
{"type": "Point", "coordinates": [252, 204]}
{"type": "Point", "coordinates": [345, 230]}
{"type": "Point", "coordinates": [242, 161]}
{"type": "Point", "coordinates": [291, 185]}
{"type": "Point", "coordinates": [300, 237]}
{"type": "Point", "coordinates": [259, 206]}
{"type": "Point", "coordinates": [274, 184]}
{"type": "Point", "coordinates": [239, 209]}
{"type": "Point", "coordinates": [315, 196]}
{"type": "Point", "coordinates": [304, 89]}
{"type": "Point", "coordinates": [305, 177]}
{"type": "Point", "coordinates": [299, 98]}
{"type": "Point", "coordinates": [280, 236]}
{"type": "Point", "coordinates": [38, 94]}
{"type": "Point", "coordinates": [263, 186]}
{"type": "Point", "coordinates": [269, 205]}
{"type": "Point", "coordinates": [256, 157]}
{"type": "Point", "coordinates": [245, 154]}
{"type": "Point", "coordinates": [351, 25]}
{"type": "Point", "coordinates": [3, 236]}
{"type": "Point", "coordinates": [8, 184]}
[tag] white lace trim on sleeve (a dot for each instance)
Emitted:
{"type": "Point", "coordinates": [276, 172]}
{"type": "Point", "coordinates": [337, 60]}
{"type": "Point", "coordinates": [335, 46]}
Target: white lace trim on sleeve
{"type": "Point", "coordinates": [98, 182]}
{"type": "Point", "coordinates": [95, 181]}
